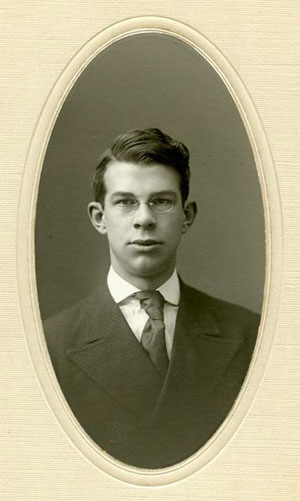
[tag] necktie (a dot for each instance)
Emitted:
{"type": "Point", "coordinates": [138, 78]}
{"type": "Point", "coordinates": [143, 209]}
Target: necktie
{"type": "Point", "coordinates": [153, 335]}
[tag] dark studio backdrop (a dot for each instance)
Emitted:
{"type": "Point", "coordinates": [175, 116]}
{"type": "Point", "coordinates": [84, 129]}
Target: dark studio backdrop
{"type": "Point", "coordinates": [146, 81]}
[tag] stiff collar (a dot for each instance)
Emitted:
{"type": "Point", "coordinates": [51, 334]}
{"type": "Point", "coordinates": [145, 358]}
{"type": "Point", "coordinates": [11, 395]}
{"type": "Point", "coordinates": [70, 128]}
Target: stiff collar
{"type": "Point", "coordinates": [120, 289]}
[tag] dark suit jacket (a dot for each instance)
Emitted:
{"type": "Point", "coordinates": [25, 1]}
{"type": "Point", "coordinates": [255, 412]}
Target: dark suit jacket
{"type": "Point", "coordinates": [118, 397]}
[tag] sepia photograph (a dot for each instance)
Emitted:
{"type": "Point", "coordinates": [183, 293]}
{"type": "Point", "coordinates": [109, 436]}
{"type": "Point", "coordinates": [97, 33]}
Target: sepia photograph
{"type": "Point", "coordinates": [150, 250]}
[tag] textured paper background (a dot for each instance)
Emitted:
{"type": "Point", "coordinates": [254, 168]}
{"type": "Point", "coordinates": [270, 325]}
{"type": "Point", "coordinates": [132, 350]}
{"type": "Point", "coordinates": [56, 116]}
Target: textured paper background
{"type": "Point", "coordinates": [261, 41]}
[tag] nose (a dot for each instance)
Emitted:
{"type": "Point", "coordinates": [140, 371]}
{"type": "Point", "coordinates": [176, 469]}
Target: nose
{"type": "Point", "coordinates": [144, 217]}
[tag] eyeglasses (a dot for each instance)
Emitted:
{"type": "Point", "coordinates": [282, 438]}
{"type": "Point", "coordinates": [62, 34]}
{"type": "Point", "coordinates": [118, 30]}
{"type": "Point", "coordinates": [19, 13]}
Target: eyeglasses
{"type": "Point", "coordinates": [157, 204]}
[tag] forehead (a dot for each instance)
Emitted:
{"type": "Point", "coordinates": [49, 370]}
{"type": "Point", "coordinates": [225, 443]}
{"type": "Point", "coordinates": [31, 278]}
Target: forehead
{"type": "Point", "coordinates": [129, 177]}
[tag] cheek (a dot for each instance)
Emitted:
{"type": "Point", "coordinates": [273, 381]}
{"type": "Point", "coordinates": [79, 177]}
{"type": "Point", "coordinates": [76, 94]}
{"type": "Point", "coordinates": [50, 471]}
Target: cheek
{"type": "Point", "coordinates": [173, 236]}
{"type": "Point", "coordinates": [174, 227]}
{"type": "Point", "coordinates": [115, 225]}
{"type": "Point", "coordinates": [117, 231]}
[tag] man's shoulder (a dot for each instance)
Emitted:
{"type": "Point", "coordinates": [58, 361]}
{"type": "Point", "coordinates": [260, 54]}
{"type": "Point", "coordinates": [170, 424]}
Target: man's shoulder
{"type": "Point", "coordinates": [78, 317]}
{"type": "Point", "coordinates": [224, 313]}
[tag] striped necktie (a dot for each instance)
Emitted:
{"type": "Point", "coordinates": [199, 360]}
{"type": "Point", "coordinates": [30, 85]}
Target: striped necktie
{"type": "Point", "coordinates": [153, 335]}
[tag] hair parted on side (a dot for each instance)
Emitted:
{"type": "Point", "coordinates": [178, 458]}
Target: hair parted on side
{"type": "Point", "coordinates": [145, 147]}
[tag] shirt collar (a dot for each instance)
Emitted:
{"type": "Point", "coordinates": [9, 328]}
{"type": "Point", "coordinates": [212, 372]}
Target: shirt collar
{"type": "Point", "coordinates": [120, 289]}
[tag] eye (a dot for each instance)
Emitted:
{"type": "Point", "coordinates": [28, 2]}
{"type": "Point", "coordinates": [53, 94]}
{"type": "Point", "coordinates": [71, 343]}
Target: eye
{"type": "Point", "coordinates": [162, 202]}
{"type": "Point", "coordinates": [125, 202]}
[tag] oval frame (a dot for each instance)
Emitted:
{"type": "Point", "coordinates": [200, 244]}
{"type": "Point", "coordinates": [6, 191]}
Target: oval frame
{"type": "Point", "coordinates": [26, 252]}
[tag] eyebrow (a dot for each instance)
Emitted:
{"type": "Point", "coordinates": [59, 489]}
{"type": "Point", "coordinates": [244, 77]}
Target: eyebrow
{"type": "Point", "coordinates": [153, 194]}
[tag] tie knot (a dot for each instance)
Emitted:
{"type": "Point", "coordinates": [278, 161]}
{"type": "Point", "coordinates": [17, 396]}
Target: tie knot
{"type": "Point", "coordinates": [153, 303]}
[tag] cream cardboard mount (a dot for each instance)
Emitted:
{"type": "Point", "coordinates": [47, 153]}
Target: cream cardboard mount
{"type": "Point", "coordinates": [26, 250]}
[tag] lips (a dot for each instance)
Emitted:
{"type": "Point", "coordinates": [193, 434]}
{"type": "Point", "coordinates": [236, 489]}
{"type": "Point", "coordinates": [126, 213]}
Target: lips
{"type": "Point", "coordinates": [145, 243]}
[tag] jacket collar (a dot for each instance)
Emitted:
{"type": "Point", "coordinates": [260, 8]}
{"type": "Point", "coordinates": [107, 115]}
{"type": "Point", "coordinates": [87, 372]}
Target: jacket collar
{"type": "Point", "coordinates": [108, 352]}
{"type": "Point", "coordinates": [200, 354]}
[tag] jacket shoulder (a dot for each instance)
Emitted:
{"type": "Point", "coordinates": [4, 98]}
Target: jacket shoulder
{"type": "Point", "coordinates": [69, 327]}
{"type": "Point", "coordinates": [234, 321]}
{"type": "Point", "coordinates": [200, 298]}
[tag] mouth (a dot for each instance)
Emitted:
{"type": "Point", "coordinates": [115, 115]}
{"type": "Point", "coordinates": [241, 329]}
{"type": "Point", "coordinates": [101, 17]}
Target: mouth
{"type": "Point", "coordinates": [144, 244]}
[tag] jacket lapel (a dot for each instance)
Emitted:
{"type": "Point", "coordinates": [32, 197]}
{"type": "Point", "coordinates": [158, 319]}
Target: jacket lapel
{"type": "Point", "coordinates": [200, 356]}
{"type": "Point", "coordinates": [110, 354]}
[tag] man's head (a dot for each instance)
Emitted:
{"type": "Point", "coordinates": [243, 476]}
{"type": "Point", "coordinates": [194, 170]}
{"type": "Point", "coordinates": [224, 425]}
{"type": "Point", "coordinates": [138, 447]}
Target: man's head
{"type": "Point", "coordinates": [141, 186]}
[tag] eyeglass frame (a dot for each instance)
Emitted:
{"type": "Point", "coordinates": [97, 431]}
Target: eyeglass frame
{"type": "Point", "coordinates": [136, 204]}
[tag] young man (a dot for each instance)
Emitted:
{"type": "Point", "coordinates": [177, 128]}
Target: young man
{"type": "Point", "coordinates": [149, 366]}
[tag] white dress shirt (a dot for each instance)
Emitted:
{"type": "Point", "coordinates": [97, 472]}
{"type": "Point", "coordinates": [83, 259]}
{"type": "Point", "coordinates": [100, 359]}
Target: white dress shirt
{"type": "Point", "coordinates": [136, 317]}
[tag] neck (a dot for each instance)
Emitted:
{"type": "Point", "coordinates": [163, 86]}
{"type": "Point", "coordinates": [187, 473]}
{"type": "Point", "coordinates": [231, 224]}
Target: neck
{"type": "Point", "coordinates": [146, 283]}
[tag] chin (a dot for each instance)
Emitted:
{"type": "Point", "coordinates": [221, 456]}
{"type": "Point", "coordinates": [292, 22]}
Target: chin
{"type": "Point", "coordinates": [149, 268]}
{"type": "Point", "coordinates": [145, 271]}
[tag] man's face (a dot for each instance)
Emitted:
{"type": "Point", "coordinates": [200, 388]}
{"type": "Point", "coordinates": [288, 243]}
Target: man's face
{"type": "Point", "coordinates": [143, 218]}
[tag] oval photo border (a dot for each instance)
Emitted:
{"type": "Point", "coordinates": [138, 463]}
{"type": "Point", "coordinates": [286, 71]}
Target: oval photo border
{"type": "Point", "coordinates": [26, 255]}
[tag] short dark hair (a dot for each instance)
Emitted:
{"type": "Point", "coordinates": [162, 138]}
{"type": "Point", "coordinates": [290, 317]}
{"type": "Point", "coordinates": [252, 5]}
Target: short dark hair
{"type": "Point", "coordinates": [146, 147]}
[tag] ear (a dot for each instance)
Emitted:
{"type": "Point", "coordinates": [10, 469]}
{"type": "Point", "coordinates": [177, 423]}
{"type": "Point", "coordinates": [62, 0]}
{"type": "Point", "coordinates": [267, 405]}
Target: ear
{"type": "Point", "coordinates": [97, 217]}
{"type": "Point", "coordinates": [190, 212]}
